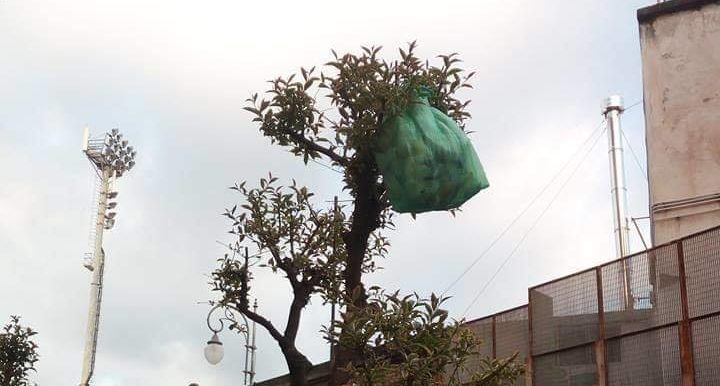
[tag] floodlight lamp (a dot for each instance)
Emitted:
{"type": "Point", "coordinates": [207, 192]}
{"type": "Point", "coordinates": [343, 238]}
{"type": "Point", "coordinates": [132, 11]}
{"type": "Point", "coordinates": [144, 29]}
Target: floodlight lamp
{"type": "Point", "coordinates": [124, 143]}
{"type": "Point", "coordinates": [85, 139]}
{"type": "Point", "coordinates": [105, 151]}
{"type": "Point", "coordinates": [112, 195]}
{"type": "Point", "coordinates": [118, 137]}
{"type": "Point", "coordinates": [130, 149]}
{"type": "Point", "coordinates": [118, 173]}
{"type": "Point", "coordinates": [109, 223]}
{"type": "Point", "coordinates": [112, 205]}
{"type": "Point", "coordinates": [115, 131]}
{"type": "Point", "coordinates": [131, 164]}
{"type": "Point", "coordinates": [133, 153]}
{"type": "Point", "coordinates": [110, 215]}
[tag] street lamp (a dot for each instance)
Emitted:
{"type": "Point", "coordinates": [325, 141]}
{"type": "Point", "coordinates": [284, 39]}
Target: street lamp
{"type": "Point", "coordinates": [110, 159]}
{"type": "Point", "coordinates": [214, 350]}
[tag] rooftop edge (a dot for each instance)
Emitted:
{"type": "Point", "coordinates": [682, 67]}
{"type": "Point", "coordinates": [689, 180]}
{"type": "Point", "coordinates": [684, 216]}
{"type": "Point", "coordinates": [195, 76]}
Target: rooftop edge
{"type": "Point", "coordinates": [648, 14]}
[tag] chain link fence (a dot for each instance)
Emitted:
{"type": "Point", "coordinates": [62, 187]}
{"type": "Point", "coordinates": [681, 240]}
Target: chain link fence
{"type": "Point", "coordinates": [651, 318]}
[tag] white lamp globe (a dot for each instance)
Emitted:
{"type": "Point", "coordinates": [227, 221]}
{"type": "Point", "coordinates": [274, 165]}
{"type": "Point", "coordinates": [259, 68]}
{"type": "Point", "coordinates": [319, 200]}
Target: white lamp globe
{"type": "Point", "coordinates": [214, 350]}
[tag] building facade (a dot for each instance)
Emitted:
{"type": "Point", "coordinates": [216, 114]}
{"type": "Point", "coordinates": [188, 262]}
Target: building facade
{"type": "Point", "coordinates": [680, 45]}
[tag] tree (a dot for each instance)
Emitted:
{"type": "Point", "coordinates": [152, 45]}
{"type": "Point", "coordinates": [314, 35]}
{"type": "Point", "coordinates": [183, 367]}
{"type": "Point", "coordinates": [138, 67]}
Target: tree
{"type": "Point", "coordinates": [327, 251]}
{"type": "Point", "coordinates": [407, 341]}
{"type": "Point", "coordinates": [304, 243]}
{"type": "Point", "coordinates": [18, 353]}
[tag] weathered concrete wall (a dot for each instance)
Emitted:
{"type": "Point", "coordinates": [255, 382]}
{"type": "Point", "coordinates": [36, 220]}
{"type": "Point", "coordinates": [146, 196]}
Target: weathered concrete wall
{"type": "Point", "coordinates": [680, 43]}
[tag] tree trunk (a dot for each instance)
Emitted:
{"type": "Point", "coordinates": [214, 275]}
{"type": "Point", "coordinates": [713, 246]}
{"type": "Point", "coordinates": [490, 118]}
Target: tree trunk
{"type": "Point", "coordinates": [298, 365]}
{"type": "Point", "coordinates": [365, 220]}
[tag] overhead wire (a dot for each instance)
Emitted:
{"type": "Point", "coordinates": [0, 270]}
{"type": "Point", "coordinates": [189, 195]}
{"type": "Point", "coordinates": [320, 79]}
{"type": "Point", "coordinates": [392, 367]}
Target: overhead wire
{"type": "Point", "coordinates": [532, 202]}
{"type": "Point", "coordinates": [632, 151]}
{"type": "Point", "coordinates": [635, 157]}
{"type": "Point", "coordinates": [633, 105]}
{"type": "Point", "coordinates": [326, 166]}
{"type": "Point", "coordinates": [534, 224]}
{"type": "Point", "coordinates": [525, 209]}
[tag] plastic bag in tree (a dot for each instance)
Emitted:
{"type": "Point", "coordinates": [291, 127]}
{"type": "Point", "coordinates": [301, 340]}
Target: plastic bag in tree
{"type": "Point", "coordinates": [427, 162]}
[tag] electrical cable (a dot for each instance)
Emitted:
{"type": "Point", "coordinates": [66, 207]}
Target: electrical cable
{"type": "Point", "coordinates": [633, 105]}
{"type": "Point", "coordinates": [637, 160]}
{"type": "Point", "coordinates": [326, 166]}
{"type": "Point", "coordinates": [557, 175]}
{"type": "Point", "coordinates": [635, 157]}
{"type": "Point", "coordinates": [537, 220]}
{"type": "Point", "coordinates": [522, 212]}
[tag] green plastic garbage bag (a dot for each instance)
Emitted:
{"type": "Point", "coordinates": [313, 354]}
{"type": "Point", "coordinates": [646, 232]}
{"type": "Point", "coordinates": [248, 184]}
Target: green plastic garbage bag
{"type": "Point", "coordinates": [427, 162]}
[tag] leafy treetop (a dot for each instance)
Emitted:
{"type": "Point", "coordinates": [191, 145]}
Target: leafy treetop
{"type": "Point", "coordinates": [18, 353]}
{"type": "Point", "coordinates": [362, 90]}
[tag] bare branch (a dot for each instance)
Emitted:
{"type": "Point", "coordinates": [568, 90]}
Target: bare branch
{"type": "Point", "coordinates": [267, 324]}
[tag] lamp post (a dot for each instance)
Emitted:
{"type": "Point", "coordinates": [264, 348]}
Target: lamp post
{"type": "Point", "coordinates": [214, 350]}
{"type": "Point", "coordinates": [110, 157]}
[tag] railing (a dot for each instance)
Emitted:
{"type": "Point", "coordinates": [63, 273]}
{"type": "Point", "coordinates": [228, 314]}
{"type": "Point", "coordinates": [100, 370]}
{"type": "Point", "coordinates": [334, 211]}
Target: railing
{"type": "Point", "coordinates": [502, 335]}
{"type": "Point", "coordinates": [651, 318]}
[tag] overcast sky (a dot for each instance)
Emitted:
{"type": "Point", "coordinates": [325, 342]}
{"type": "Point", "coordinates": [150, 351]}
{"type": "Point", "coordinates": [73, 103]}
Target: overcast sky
{"type": "Point", "coordinates": [173, 75]}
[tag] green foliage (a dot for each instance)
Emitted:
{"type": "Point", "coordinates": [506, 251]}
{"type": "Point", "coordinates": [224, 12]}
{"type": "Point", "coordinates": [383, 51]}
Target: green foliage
{"type": "Point", "coordinates": [298, 240]}
{"type": "Point", "coordinates": [361, 91]}
{"type": "Point", "coordinates": [18, 353]}
{"type": "Point", "coordinates": [409, 341]}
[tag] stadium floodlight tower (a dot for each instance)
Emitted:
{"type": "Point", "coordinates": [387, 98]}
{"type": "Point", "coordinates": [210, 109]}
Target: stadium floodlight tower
{"type": "Point", "coordinates": [111, 157]}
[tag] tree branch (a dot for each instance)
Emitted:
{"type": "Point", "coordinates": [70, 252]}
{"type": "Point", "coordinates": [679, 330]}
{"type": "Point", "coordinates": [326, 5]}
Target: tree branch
{"type": "Point", "coordinates": [299, 302]}
{"type": "Point", "coordinates": [288, 269]}
{"type": "Point", "coordinates": [310, 239]}
{"type": "Point", "coordinates": [304, 141]}
{"type": "Point", "coordinates": [492, 375]}
{"type": "Point", "coordinates": [257, 318]}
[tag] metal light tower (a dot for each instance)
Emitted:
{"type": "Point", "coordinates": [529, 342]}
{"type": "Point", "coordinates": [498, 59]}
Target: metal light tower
{"type": "Point", "coordinates": [111, 157]}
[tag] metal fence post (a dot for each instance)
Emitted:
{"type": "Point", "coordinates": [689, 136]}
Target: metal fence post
{"type": "Point", "coordinates": [687, 363]}
{"type": "Point", "coordinates": [600, 352]}
{"type": "Point", "coordinates": [529, 376]}
{"type": "Point", "coordinates": [494, 340]}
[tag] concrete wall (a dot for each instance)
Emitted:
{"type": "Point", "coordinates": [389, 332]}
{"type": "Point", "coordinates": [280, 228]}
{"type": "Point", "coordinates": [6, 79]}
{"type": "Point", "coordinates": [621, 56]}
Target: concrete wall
{"type": "Point", "coordinates": [680, 43]}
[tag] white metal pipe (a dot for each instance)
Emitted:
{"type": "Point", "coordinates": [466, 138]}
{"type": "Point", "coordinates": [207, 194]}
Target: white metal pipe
{"type": "Point", "coordinates": [612, 109]}
{"type": "Point", "coordinates": [93, 320]}
{"type": "Point", "coordinates": [254, 348]}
